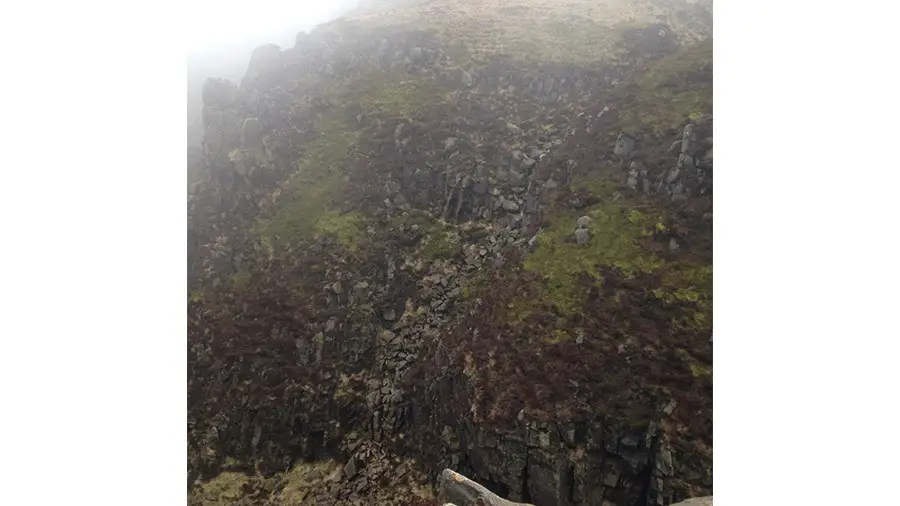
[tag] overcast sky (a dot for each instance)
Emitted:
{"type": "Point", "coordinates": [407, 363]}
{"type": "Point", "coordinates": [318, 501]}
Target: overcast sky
{"type": "Point", "coordinates": [214, 24]}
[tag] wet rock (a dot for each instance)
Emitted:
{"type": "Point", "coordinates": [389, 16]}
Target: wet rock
{"type": "Point", "coordinates": [685, 162]}
{"type": "Point", "coordinates": [239, 159]}
{"type": "Point", "coordinates": [251, 134]}
{"type": "Point", "coordinates": [629, 441]}
{"type": "Point", "coordinates": [467, 78]}
{"type": "Point", "coordinates": [386, 337]}
{"type": "Point", "coordinates": [577, 202]}
{"type": "Point", "coordinates": [544, 440]}
{"type": "Point", "coordinates": [624, 146]}
{"type": "Point", "coordinates": [673, 175]}
{"type": "Point", "coordinates": [581, 236]}
{"type": "Point", "coordinates": [516, 178]}
{"type": "Point", "coordinates": [398, 130]}
{"type": "Point", "coordinates": [350, 469]}
{"type": "Point", "coordinates": [531, 204]}
{"type": "Point", "coordinates": [669, 408]}
{"type": "Point", "coordinates": [664, 462]}
{"type": "Point", "coordinates": [632, 181]}
{"type": "Point", "coordinates": [392, 187]}
{"type": "Point", "coordinates": [687, 138]}
{"type": "Point", "coordinates": [509, 205]}
{"type": "Point", "coordinates": [549, 84]}
{"type": "Point", "coordinates": [612, 473]}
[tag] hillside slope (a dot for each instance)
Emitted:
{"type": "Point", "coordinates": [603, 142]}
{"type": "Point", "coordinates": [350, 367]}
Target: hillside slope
{"type": "Point", "coordinates": [473, 235]}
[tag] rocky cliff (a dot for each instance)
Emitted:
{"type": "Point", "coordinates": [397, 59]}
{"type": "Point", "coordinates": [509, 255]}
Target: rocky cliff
{"type": "Point", "coordinates": [473, 235]}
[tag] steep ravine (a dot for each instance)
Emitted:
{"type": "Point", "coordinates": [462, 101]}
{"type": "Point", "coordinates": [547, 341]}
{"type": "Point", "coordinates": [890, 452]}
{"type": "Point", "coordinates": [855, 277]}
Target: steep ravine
{"type": "Point", "coordinates": [483, 244]}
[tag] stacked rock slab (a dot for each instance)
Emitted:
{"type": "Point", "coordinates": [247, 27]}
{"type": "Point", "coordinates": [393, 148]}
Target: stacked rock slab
{"type": "Point", "coordinates": [458, 490]}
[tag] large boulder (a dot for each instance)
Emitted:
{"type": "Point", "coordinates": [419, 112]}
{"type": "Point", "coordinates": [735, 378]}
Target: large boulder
{"type": "Point", "coordinates": [624, 146]}
{"type": "Point", "coordinates": [696, 501]}
{"type": "Point", "coordinates": [460, 491]}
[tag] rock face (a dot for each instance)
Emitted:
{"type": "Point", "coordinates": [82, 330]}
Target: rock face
{"type": "Point", "coordinates": [624, 146]}
{"type": "Point", "coordinates": [582, 236]}
{"type": "Point", "coordinates": [421, 250]}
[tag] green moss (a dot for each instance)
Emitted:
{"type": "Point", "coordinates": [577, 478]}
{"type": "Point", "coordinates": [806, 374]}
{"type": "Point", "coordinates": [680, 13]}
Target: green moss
{"type": "Point", "coordinates": [476, 286]}
{"type": "Point", "coordinates": [306, 206]}
{"type": "Point", "coordinates": [600, 187]}
{"type": "Point", "coordinates": [348, 228]}
{"type": "Point", "coordinates": [621, 238]}
{"type": "Point", "coordinates": [523, 307]}
{"type": "Point", "coordinates": [615, 241]}
{"type": "Point", "coordinates": [439, 244]}
{"type": "Point", "coordinates": [394, 95]}
{"type": "Point", "coordinates": [699, 320]}
{"type": "Point", "coordinates": [230, 463]}
{"type": "Point", "coordinates": [678, 67]}
{"type": "Point", "coordinates": [439, 241]}
{"type": "Point", "coordinates": [672, 89]}
{"type": "Point", "coordinates": [679, 106]}
{"type": "Point", "coordinates": [698, 370]}
{"type": "Point", "coordinates": [690, 286]}
{"type": "Point", "coordinates": [240, 279]}
{"type": "Point", "coordinates": [195, 296]}
{"type": "Point", "coordinates": [558, 335]}
{"type": "Point", "coordinates": [223, 490]}
{"type": "Point", "coordinates": [302, 481]}
{"type": "Point", "coordinates": [413, 217]}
